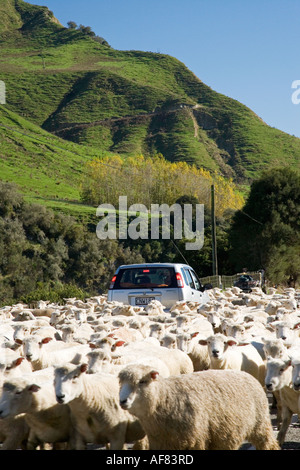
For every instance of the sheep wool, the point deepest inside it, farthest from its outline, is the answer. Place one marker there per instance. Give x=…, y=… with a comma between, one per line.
x=198, y=411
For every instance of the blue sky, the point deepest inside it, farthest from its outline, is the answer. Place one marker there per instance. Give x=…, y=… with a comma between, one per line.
x=247, y=50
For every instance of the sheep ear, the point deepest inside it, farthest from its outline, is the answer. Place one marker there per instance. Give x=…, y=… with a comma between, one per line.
x=288, y=363
x=244, y=343
x=194, y=334
x=46, y=340
x=297, y=326
x=203, y=342
x=18, y=361
x=83, y=368
x=231, y=342
x=119, y=343
x=154, y=374
x=34, y=388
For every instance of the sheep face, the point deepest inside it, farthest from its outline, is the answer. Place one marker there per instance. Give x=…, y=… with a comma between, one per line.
x=156, y=330
x=237, y=331
x=277, y=374
x=9, y=366
x=16, y=398
x=296, y=374
x=217, y=345
x=183, y=341
x=21, y=331
x=134, y=385
x=274, y=347
x=214, y=319
x=32, y=347
x=56, y=317
x=98, y=361
x=286, y=332
x=168, y=341
x=67, y=382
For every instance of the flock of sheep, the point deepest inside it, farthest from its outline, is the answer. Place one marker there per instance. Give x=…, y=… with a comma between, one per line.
x=196, y=376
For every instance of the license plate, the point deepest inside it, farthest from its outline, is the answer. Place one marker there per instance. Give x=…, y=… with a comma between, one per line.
x=143, y=300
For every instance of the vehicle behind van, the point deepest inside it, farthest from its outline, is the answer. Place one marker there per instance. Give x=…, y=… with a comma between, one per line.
x=139, y=284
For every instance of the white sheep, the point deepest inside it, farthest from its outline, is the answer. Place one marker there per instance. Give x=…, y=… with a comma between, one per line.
x=141, y=324
x=26, y=328
x=95, y=410
x=200, y=324
x=294, y=355
x=101, y=361
x=33, y=395
x=169, y=340
x=209, y=410
x=6, y=331
x=176, y=360
x=76, y=333
x=126, y=310
x=155, y=307
x=189, y=343
x=279, y=377
x=127, y=334
x=215, y=320
x=14, y=433
x=289, y=304
x=44, y=352
x=181, y=306
x=12, y=364
x=287, y=331
x=23, y=315
x=228, y=353
x=157, y=330
x=274, y=347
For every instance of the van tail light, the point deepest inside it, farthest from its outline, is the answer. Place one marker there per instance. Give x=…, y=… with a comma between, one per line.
x=112, y=282
x=179, y=280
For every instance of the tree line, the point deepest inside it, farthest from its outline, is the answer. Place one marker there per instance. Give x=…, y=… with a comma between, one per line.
x=154, y=180
x=49, y=255
x=87, y=30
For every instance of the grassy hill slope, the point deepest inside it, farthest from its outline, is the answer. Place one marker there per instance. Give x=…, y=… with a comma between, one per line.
x=48, y=170
x=129, y=102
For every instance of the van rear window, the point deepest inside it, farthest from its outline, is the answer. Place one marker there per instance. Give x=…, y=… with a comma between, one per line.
x=139, y=278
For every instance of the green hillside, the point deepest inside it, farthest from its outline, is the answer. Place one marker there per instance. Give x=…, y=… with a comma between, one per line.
x=131, y=102
x=48, y=170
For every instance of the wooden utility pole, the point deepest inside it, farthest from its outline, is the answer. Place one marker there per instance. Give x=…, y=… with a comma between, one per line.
x=213, y=233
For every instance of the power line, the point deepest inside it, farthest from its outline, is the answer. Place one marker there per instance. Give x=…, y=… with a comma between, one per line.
x=178, y=250
x=257, y=221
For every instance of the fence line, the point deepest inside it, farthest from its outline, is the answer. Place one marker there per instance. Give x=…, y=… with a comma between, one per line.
x=228, y=281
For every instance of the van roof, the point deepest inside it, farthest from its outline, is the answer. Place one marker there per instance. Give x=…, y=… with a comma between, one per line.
x=154, y=265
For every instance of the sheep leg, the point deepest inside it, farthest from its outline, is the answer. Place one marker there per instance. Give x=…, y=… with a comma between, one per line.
x=76, y=441
x=117, y=444
x=277, y=403
x=11, y=443
x=33, y=441
x=286, y=421
x=117, y=441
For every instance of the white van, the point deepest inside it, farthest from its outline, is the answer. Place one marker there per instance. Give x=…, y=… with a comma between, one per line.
x=138, y=284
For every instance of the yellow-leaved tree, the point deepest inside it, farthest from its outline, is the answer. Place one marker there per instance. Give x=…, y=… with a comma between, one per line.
x=154, y=180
